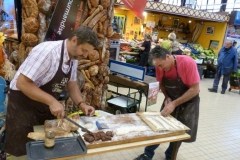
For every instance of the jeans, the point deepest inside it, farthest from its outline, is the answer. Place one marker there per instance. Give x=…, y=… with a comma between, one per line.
x=149, y=150
x=224, y=82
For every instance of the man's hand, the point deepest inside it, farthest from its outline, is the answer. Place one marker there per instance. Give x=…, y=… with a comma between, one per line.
x=57, y=109
x=88, y=110
x=168, y=109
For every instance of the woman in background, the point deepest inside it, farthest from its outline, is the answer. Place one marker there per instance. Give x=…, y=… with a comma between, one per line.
x=145, y=48
x=172, y=45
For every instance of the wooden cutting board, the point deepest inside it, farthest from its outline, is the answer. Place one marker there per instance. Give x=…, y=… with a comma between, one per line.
x=127, y=120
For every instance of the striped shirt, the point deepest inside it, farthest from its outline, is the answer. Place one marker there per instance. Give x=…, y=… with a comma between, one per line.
x=42, y=64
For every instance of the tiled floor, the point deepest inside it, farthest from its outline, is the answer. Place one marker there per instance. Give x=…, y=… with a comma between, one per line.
x=218, y=132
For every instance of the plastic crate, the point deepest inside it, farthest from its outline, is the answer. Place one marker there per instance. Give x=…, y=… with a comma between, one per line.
x=209, y=74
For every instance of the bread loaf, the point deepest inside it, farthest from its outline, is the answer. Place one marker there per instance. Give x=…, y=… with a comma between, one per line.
x=94, y=3
x=44, y=6
x=31, y=25
x=105, y=3
x=60, y=127
x=93, y=70
x=93, y=56
x=109, y=31
x=80, y=80
x=106, y=80
x=97, y=96
x=95, y=81
x=29, y=39
x=42, y=27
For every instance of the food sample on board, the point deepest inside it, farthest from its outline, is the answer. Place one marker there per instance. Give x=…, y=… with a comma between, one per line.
x=125, y=130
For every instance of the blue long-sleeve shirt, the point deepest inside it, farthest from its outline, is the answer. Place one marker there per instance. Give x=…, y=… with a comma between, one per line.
x=227, y=60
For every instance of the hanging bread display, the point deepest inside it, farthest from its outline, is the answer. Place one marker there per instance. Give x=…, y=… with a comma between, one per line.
x=96, y=71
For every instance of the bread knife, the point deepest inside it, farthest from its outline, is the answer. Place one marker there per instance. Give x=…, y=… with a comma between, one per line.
x=84, y=129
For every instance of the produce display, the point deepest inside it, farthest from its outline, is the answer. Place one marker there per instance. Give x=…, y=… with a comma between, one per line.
x=196, y=51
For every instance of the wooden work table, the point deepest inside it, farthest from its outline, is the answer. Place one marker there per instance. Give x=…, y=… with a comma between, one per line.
x=129, y=140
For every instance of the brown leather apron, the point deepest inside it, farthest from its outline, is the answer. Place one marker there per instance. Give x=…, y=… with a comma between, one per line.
x=23, y=113
x=188, y=112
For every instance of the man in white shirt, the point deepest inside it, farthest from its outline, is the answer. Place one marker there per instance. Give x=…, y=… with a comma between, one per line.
x=50, y=68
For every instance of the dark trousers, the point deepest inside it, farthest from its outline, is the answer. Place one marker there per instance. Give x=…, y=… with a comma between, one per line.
x=143, y=59
x=149, y=150
x=224, y=82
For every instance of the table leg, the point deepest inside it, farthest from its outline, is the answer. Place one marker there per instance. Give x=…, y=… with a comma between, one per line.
x=175, y=150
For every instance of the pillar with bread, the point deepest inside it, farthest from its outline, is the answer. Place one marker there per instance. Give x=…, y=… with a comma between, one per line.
x=93, y=71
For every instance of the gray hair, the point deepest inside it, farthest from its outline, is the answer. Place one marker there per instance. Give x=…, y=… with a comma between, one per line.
x=157, y=52
x=172, y=36
x=229, y=41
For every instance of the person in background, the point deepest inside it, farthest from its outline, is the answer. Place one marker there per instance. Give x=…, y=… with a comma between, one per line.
x=172, y=45
x=179, y=82
x=49, y=69
x=145, y=49
x=234, y=44
x=226, y=64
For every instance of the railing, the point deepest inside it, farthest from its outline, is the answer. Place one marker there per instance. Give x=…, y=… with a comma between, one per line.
x=205, y=5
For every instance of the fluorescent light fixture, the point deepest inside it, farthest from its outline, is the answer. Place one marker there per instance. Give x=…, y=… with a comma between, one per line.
x=144, y=14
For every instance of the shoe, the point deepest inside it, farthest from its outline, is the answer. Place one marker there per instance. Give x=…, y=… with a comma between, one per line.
x=167, y=158
x=212, y=90
x=143, y=157
x=222, y=92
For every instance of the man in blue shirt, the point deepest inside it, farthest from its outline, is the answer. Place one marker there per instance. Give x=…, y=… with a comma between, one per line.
x=226, y=64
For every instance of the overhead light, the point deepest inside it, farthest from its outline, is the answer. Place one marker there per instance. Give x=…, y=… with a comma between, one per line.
x=145, y=14
x=189, y=21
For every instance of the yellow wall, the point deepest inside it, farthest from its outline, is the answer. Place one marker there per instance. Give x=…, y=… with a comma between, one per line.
x=204, y=39
x=219, y=33
x=130, y=26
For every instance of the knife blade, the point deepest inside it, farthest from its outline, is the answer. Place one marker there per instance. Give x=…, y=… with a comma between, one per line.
x=84, y=129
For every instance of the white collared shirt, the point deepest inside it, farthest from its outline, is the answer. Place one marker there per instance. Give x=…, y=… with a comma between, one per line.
x=42, y=64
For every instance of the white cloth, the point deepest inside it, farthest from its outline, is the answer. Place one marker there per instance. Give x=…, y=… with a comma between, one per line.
x=42, y=64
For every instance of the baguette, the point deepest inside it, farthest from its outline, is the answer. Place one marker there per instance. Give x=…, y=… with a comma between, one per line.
x=88, y=64
x=83, y=61
x=87, y=74
x=87, y=80
x=89, y=4
x=95, y=28
x=103, y=18
x=100, y=27
x=85, y=23
x=99, y=35
x=91, y=11
x=97, y=18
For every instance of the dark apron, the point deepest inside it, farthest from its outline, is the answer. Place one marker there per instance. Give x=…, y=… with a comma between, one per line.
x=188, y=112
x=23, y=113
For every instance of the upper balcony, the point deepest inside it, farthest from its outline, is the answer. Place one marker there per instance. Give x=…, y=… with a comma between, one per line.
x=202, y=9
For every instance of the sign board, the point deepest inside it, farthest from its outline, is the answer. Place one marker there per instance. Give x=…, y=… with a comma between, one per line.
x=153, y=93
x=126, y=69
x=66, y=18
x=136, y=6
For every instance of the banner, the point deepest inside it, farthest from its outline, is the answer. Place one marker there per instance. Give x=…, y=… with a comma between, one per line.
x=152, y=93
x=66, y=18
x=136, y=6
